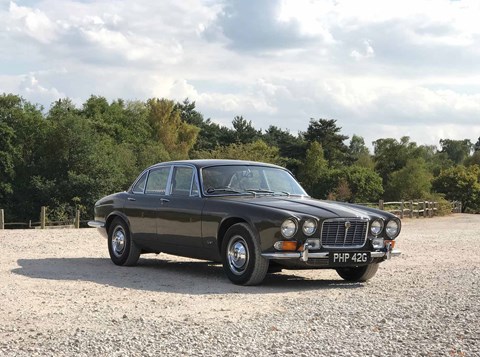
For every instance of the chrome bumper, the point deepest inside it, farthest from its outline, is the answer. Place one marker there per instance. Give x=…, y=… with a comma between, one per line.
x=305, y=254
x=100, y=227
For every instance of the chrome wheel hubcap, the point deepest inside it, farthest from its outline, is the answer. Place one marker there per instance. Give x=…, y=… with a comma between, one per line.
x=238, y=258
x=118, y=241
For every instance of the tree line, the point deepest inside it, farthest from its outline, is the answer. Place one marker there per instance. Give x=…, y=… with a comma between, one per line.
x=68, y=157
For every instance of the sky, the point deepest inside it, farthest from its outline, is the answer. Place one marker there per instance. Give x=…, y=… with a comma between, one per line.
x=380, y=68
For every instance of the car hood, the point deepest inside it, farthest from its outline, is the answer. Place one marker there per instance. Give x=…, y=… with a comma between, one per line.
x=311, y=206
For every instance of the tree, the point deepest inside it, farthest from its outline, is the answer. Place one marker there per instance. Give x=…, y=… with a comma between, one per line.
x=292, y=148
x=359, y=152
x=456, y=150
x=326, y=132
x=244, y=132
x=391, y=155
x=313, y=172
x=256, y=151
x=460, y=183
x=410, y=182
x=175, y=135
x=477, y=145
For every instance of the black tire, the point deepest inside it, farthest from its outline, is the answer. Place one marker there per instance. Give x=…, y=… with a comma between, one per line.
x=241, y=256
x=122, y=249
x=360, y=274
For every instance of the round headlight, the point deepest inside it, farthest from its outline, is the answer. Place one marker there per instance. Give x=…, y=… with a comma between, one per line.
x=392, y=229
x=288, y=228
x=376, y=227
x=309, y=227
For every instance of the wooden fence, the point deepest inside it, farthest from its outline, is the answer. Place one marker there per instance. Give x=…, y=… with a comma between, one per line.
x=412, y=208
x=43, y=223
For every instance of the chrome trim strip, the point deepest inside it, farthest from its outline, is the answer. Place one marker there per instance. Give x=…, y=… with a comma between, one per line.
x=322, y=255
x=96, y=224
x=100, y=227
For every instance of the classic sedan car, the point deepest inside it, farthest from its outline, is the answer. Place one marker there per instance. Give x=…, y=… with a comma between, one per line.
x=254, y=218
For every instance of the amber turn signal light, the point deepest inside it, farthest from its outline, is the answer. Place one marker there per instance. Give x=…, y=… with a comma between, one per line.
x=391, y=242
x=286, y=245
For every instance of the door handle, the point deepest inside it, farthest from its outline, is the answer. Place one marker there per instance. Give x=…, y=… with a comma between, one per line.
x=131, y=199
x=164, y=200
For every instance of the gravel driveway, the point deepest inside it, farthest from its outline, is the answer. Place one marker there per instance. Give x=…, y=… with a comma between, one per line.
x=61, y=295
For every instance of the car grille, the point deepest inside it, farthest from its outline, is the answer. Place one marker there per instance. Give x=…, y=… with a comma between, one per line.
x=335, y=233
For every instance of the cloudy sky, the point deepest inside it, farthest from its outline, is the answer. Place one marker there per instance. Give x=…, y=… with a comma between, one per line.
x=381, y=68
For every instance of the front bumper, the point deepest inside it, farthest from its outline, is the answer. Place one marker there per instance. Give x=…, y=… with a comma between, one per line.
x=100, y=227
x=305, y=254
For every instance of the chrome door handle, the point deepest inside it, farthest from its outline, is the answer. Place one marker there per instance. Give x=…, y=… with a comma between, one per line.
x=164, y=200
x=131, y=199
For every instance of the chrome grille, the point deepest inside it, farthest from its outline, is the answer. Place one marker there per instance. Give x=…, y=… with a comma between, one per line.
x=344, y=233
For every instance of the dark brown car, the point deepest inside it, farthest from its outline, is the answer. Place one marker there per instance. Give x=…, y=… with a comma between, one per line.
x=252, y=217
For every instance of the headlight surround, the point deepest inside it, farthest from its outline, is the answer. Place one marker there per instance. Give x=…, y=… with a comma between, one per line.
x=309, y=227
x=392, y=228
x=376, y=227
x=289, y=228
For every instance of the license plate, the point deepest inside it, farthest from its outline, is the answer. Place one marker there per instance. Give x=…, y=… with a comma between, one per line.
x=348, y=258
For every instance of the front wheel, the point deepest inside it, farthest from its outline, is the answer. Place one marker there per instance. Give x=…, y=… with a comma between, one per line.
x=242, y=260
x=122, y=249
x=359, y=274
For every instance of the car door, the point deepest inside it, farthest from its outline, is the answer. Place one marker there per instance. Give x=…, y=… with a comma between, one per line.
x=143, y=203
x=179, y=219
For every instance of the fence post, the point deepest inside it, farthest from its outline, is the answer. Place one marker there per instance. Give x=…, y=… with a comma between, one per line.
x=424, y=209
x=380, y=205
x=43, y=217
x=402, y=205
x=430, y=213
x=2, y=219
x=417, y=204
x=77, y=219
x=411, y=209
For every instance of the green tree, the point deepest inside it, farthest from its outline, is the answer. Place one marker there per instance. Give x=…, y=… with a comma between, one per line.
x=244, y=132
x=359, y=152
x=456, y=150
x=292, y=148
x=327, y=133
x=175, y=135
x=365, y=184
x=314, y=172
x=460, y=183
x=256, y=151
x=410, y=182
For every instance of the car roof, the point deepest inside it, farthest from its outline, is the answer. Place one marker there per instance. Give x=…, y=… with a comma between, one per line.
x=216, y=162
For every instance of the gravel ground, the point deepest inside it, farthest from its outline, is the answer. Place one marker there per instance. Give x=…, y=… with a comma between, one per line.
x=61, y=296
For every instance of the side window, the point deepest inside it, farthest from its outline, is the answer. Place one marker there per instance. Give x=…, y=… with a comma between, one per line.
x=157, y=181
x=140, y=185
x=182, y=181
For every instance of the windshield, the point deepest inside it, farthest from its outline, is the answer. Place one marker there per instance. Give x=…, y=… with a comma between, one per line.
x=240, y=179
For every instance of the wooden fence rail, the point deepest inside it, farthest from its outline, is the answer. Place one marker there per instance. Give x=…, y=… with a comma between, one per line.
x=413, y=208
x=43, y=223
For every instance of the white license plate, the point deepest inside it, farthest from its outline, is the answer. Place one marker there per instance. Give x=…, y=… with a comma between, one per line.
x=348, y=258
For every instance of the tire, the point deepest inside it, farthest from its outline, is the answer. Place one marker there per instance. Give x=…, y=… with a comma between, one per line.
x=359, y=274
x=241, y=257
x=121, y=248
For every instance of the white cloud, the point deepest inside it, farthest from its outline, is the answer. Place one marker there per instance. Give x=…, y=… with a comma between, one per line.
x=381, y=68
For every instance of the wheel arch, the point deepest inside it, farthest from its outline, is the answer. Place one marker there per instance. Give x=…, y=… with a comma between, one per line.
x=114, y=215
x=224, y=226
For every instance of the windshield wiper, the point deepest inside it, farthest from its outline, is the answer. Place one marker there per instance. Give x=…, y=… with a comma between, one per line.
x=228, y=190
x=274, y=193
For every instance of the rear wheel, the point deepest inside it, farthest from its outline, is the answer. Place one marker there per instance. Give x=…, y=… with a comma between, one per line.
x=362, y=273
x=242, y=260
x=122, y=249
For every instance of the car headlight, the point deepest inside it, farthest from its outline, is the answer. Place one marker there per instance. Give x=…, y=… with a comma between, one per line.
x=392, y=229
x=288, y=228
x=376, y=227
x=309, y=227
